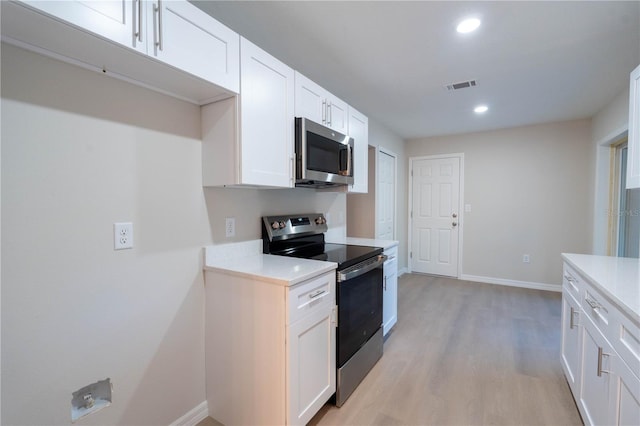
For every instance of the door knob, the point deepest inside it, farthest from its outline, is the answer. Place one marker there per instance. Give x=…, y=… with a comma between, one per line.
x=455, y=223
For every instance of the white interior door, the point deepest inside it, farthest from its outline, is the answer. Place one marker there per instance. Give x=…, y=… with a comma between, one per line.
x=386, y=196
x=435, y=211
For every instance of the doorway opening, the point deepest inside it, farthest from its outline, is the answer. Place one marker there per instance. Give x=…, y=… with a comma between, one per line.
x=624, y=209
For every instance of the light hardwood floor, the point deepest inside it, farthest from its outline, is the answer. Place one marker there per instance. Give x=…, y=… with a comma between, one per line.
x=464, y=353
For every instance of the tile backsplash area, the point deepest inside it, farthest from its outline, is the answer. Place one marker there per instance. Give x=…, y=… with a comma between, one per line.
x=248, y=205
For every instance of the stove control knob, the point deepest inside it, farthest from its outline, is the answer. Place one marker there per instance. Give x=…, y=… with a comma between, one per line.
x=282, y=225
x=275, y=225
x=320, y=221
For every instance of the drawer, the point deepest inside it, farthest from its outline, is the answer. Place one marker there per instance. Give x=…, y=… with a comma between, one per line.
x=626, y=341
x=309, y=296
x=571, y=281
x=601, y=312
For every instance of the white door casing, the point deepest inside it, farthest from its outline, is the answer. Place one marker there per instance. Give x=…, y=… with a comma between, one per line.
x=386, y=195
x=435, y=215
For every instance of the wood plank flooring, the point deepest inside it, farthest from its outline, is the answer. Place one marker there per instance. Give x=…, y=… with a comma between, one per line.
x=464, y=353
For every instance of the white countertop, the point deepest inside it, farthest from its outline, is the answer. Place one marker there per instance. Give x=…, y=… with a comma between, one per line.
x=246, y=259
x=385, y=244
x=618, y=278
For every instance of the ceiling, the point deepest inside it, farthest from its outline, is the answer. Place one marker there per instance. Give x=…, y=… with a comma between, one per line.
x=534, y=62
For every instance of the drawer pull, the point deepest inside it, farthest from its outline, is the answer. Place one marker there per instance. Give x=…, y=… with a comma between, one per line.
x=593, y=303
x=572, y=316
x=569, y=278
x=600, y=355
x=317, y=294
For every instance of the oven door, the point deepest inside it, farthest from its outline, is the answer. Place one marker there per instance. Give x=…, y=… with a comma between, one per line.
x=359, y=299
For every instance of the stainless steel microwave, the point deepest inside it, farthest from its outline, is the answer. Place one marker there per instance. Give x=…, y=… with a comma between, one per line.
x=324, y=157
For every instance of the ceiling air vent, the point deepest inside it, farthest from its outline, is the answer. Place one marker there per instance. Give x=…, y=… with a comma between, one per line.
x=462, y=85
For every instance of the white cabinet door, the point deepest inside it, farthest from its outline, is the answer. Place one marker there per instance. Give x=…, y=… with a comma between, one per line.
x=359, y=131
x=390, y=292
x=570, y=350
x=184, y=36
x=117, y=20
x=633, y=159
x=626, y=394
x=337, y=115
x=312, y=365
x=312, y=101
x=266, y=117
x=595, y=381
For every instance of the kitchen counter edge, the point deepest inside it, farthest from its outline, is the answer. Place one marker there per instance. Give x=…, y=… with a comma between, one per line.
x=617, y=278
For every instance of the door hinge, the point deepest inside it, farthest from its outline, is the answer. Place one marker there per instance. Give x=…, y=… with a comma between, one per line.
x=410, y=255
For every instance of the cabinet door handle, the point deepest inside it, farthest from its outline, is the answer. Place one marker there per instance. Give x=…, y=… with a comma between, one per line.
x=385, y=283
x=317, y=294
x=291, y=169
x=571, y=323
x=569, y=278
x=324, y=111
x=157, y=8
x=137, y=10
x=600, y=355
x=593, y=303
x=329, y=114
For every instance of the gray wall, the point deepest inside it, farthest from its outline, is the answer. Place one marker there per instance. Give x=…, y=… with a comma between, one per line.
x=530, y=192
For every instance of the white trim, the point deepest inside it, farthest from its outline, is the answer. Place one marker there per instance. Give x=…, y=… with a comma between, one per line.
x=194, y=416
x=460, y=156
x=512, y=283
x=402, y=271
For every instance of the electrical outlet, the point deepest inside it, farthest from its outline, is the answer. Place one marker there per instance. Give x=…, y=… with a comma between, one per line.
x=525, y=258
x=122, y=235
x=230, y=227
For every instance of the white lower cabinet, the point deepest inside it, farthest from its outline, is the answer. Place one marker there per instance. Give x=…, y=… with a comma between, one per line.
x=570, y=345
x=270, y=349
x=390, y=290
x=604, y=381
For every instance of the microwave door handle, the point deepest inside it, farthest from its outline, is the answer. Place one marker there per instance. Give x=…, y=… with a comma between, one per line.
x=349, y=149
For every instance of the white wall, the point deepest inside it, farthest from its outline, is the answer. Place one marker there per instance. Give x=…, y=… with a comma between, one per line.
x=80, y=152
x=608, y=126
x=529, y=190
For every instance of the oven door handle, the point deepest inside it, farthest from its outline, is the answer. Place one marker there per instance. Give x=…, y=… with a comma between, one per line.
x=361, y=268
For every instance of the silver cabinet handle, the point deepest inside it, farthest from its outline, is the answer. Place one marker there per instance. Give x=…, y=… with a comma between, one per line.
x=385, y=283
x=317, y=293
x=324, y=111
x=329, y=114
x=593, y=303
x=138, y=20
x=157, y=8
x=600, y=355
x=291, y=170
x=571, y=322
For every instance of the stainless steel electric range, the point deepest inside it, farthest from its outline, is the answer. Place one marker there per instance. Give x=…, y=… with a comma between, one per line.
x=359, y=280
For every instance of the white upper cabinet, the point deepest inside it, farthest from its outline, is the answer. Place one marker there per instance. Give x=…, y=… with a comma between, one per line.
x=184, y=36
x=121, y=21
x=266, y=118
x=133, y=40
x=248, y=140
x=633, y=159
x=359, y=131
x=317, y=104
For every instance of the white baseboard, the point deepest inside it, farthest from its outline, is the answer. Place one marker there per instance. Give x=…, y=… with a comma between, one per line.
x=512, y=283
x=194, y=416
x=403, y=271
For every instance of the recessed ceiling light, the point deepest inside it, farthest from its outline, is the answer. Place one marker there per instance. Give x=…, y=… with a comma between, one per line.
x=481, y=109
x=468, y=25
